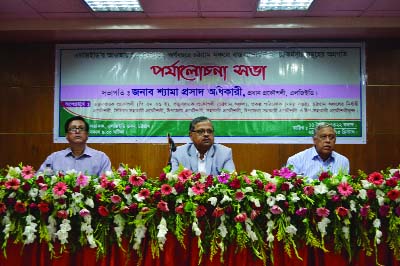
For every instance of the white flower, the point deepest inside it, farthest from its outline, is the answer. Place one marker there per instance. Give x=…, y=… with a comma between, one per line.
x=195, y=228
x=222, y=228
x=271, y=201
x=30, y=230
x=270, y=238
x=294, y=196
x=172, y=177
x=120, y=222
x=322, y=225
x=362, y=194
x=253, y=173
x=213, y=201
x=377, y=223
x=190, y=192
x=353, y=206
x=162, y=233
x=109, y=173
x=140, y=232
x=138, y=197
x=255, y=201
x=225, y=199
x=366, y=184
x=77, y=197
x=346, y=232
x=378, y=235
x=331, y=193
x=62, y=233
x=51, y=227
x=320, y=189
x=248, y=190
x=33, y=193
x=291, y=230
x=249, y=231
x=280, y=197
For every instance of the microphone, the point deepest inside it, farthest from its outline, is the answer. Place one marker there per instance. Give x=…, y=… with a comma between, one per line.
x=171, y=143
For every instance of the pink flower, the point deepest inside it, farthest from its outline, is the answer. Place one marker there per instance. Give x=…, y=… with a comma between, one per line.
x=239, y=195
x=27, y=172
x=276, y=209
x=12, y=183
x=84, y=212
x=241, y=217
x=254, y=214
x=198, y=188
x=144, y=193
x=286, y=173
x=184, y=175
x=82, y=180
x=247, y=180
x=322, y=212
x=376, y=178
x=60, y=188
x=301, y=212
x=163, y=206
x=62, y=214
x=179, y=209
x=223, y=178
x=308, y=190
x=364, y=210
x=166, y=189
x=136, y=180
x=270, y=187
x=345, y=189
x=115, y=199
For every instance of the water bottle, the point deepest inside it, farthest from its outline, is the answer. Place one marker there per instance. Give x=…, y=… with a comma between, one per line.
x=48, y=171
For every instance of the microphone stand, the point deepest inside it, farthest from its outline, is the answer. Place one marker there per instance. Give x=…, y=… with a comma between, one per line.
x=172, y=148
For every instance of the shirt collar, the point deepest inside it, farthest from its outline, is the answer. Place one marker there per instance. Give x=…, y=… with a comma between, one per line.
x=88, y=152
x=315, y=154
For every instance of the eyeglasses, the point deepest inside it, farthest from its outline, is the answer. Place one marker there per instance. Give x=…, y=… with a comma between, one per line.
x=201, y=132
x=330, y=137
x=76, y=129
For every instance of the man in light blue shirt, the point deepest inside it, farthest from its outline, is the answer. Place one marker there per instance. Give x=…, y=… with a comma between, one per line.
x=78, y=156
x=202, y=155
x=321, y=157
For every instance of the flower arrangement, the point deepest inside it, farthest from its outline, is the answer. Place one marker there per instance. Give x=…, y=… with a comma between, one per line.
x=245, y=210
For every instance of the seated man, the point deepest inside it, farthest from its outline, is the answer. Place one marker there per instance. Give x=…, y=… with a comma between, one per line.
x=321, y=157
x=78, y=156
x=202, y=155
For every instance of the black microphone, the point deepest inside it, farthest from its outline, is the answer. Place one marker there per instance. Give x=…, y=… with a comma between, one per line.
x=171, y=143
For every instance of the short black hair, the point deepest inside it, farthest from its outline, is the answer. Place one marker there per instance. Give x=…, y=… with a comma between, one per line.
x=69, y=120
x=198, y=120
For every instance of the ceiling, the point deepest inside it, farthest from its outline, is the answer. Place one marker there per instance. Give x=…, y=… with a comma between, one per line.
x=199, y=20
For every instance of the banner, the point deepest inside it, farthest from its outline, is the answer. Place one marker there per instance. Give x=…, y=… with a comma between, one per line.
x=253, y=93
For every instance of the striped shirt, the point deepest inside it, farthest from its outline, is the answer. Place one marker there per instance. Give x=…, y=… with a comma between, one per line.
x=308, y=163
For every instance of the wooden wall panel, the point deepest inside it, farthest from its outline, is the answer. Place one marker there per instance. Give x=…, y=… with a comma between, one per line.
x=26, y=113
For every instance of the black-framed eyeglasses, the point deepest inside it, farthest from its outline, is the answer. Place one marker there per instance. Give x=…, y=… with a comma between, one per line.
x=76, y=129
x=201, y=132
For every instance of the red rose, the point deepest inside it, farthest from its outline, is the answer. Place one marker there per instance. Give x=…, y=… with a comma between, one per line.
x=393, y=194
x=342, y=211
x=3, y=208
x=200, y=211
x=103, y=211
x=62, y=214
x=20, y=207
x=43, y=207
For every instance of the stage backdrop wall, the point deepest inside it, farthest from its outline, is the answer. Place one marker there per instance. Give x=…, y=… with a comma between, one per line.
x=26, y=110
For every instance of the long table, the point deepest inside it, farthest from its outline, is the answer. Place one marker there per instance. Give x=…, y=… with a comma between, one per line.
x=176, y=255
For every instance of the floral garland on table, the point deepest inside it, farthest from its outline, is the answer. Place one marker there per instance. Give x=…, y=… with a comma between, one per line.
x=248, y=210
